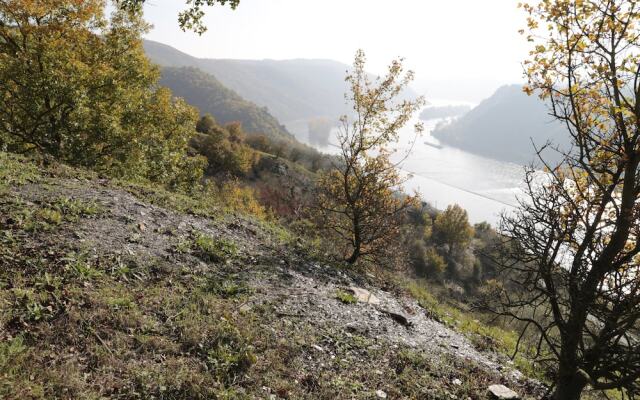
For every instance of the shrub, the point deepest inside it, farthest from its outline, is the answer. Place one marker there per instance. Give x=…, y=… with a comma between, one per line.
x=242, y=199
x=427, y=261
x=346, y=297
x=224, y=148
x=215, y=250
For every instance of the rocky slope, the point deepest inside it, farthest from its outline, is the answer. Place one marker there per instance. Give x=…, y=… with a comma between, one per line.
x=112, y=290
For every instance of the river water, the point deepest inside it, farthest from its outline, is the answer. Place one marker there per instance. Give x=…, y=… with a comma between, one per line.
x=446, y=175
x=483, y=186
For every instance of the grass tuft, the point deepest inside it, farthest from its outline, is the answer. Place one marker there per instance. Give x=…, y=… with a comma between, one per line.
x=212, y=249
x=346, y=297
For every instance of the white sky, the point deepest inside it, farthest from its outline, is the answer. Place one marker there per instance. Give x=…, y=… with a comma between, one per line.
x=471, y=42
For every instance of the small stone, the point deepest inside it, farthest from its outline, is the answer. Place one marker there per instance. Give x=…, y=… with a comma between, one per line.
x=364, y=295
x=245, y=308
x=357, y=328
x=381, y=394
x=315, y=346
x=399, y=318
x=502, y=392
x=457, y=382
x=142, y=227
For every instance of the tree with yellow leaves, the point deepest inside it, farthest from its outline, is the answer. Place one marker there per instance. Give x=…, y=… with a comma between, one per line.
x=78, y=86
x=360, y=199
x=574, y=241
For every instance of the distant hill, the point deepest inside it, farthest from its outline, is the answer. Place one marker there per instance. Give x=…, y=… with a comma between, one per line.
x=292, y=90
x=434, y=112
x=210, y=96
x=503, y=127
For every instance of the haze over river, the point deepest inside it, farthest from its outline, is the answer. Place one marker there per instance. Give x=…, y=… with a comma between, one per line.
x=446, y=175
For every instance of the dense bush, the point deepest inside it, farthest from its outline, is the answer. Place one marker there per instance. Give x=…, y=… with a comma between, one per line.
x=223, y=147
x=451, y=228
x=78, y=86
x=306, y=156
x=442, y=245
x=426, y=260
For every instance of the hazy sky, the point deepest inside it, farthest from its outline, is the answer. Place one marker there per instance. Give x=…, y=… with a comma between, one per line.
x=460, y=42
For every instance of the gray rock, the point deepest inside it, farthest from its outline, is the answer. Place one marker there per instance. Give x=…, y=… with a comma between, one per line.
x=502, y=392
x=357, y=328
x=381, y=394
x=364, y=295
x=399, y=318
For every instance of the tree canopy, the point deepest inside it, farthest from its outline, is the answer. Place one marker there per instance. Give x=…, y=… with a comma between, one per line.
x=79, y=87
x=574, y=248
x=452, y=227
x=188, y=19
x=358, y=199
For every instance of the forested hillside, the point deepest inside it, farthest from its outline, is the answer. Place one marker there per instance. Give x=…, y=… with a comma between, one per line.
x=210, y=96
x=290, y=89
x=505, y=126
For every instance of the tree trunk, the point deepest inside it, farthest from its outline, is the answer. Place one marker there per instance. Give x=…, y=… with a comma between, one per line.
x=354, y=255
x=357, y=242
x=569, y=387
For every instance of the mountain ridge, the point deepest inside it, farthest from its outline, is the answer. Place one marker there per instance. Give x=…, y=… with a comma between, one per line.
x=292, y=90
x=283, y=86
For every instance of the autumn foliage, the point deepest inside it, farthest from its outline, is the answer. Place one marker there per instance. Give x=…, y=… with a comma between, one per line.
x=78, y=86
x=574, y=249
x=360, y=199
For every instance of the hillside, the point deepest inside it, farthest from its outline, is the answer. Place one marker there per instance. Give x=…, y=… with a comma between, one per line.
x=434, y=112
x=210, y=96
x=115, y=290
x=504, y=126
x=291, y=89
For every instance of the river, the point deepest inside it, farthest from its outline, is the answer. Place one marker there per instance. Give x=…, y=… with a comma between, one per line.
x=446, y=175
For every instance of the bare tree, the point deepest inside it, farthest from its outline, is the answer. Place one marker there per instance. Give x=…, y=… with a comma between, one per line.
x=574, y=250
x=359, y=198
